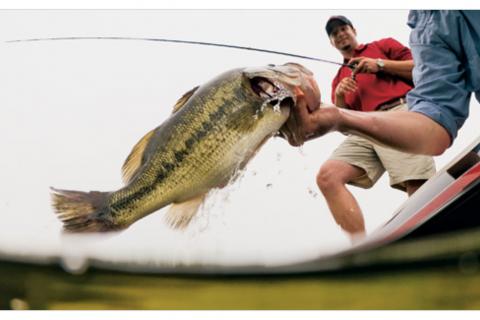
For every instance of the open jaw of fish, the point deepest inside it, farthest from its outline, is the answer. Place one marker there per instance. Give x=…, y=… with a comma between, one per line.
x=296, y=82
x=214, y=130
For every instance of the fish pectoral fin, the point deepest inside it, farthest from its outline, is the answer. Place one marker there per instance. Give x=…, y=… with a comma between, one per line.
x=180, y=214
x=181, y=102
x=136, y=158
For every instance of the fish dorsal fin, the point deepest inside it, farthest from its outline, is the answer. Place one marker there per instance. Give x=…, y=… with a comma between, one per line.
x=181, y=102
x=135, y=159
x=180, y=214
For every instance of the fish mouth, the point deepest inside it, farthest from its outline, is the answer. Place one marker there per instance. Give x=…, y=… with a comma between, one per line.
x=263, y=87
x=272, y=93
x=292, y=80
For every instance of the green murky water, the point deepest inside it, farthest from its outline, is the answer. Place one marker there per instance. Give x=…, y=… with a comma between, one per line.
x=434, y=287
x=439, y=272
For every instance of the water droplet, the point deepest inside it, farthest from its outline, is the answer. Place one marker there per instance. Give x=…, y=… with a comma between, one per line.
x=276, y=107
x=301, y=151
x=75, y=264
x=19, y=304
x=312, y=193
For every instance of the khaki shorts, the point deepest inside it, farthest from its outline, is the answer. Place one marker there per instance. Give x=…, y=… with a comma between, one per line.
x=376, y=159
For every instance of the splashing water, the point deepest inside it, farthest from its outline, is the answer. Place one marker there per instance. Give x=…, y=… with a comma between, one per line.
x=216, y=201
x=311, y=192
x=274, y=101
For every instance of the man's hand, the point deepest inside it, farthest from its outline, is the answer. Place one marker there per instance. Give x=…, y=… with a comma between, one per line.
x=306, y=125
x=364, y=65
x=346, y=85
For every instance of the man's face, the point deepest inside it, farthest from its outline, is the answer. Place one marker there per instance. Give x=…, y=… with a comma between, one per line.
x=343, y=37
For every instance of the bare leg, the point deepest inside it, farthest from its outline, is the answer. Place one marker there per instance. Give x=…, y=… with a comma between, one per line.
x=331, y=180
x=413, y=185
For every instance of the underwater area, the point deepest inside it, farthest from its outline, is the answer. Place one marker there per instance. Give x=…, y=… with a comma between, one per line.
x=50, y=288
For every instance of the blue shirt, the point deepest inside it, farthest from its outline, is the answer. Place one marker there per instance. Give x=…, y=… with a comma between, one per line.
x=446, y=50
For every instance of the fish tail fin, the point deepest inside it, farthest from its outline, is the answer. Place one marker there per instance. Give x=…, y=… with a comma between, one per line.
x=82, y=211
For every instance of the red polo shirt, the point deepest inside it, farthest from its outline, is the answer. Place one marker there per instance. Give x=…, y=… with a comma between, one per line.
x=379, y=88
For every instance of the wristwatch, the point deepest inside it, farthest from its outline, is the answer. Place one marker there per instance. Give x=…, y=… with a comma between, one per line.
x=380, y=64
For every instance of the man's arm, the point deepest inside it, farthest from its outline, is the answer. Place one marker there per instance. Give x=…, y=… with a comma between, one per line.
x=403, y=130
x=401, y=68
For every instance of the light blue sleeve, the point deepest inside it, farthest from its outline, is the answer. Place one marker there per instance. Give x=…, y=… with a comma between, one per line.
x=441, y=91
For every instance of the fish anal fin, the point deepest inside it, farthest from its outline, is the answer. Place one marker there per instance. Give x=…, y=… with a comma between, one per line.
x=180, y=214
x=135, y=159
x=181, y=102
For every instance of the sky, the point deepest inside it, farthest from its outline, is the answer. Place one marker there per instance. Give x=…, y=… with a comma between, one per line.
x=72, y=110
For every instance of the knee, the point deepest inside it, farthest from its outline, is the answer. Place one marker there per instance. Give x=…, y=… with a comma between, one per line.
x=328, y=178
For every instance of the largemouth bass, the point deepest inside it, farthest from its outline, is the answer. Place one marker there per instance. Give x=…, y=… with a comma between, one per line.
x=214, y=130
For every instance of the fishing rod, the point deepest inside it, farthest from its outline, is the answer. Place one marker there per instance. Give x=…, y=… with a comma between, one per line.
x=188, y=42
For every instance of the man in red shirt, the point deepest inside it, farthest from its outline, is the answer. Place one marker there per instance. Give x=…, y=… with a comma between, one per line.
x=381, y=79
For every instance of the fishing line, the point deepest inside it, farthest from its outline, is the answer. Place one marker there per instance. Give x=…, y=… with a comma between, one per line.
x=187, y=42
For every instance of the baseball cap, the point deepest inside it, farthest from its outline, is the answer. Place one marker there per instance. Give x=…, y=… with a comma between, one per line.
x=335, y=21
